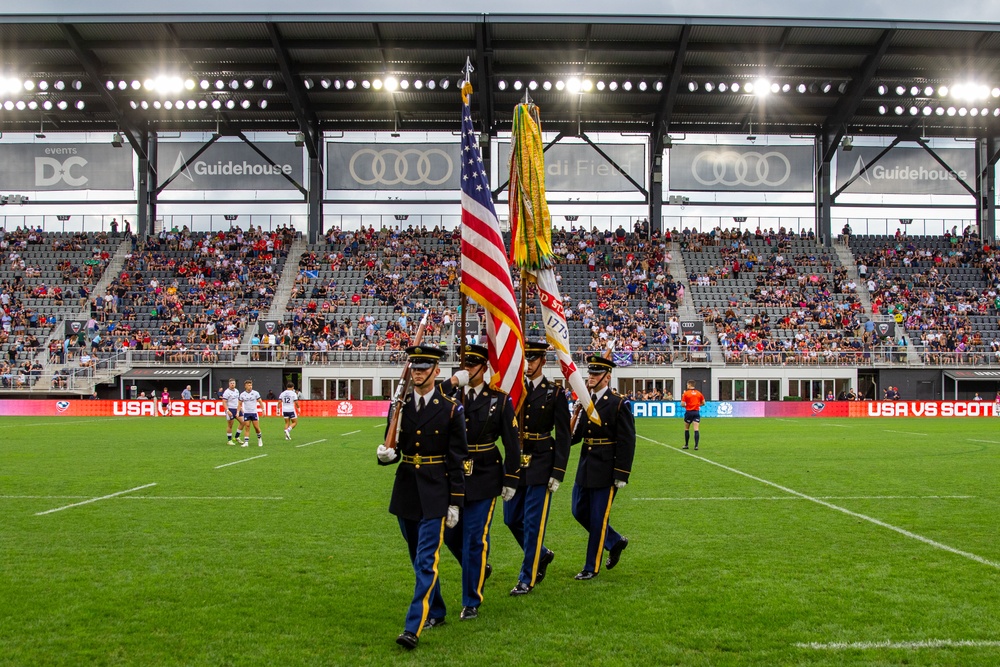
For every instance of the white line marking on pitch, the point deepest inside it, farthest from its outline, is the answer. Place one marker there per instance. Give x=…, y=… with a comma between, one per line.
x=783, y=420
x=994, y=442
x=352, y=432
x=926, y=643
x=840, y=425
x=820, y=497
x=312, y=443
x=903, y=432
x=94, y=500
x=844, y=510
x=240, y=461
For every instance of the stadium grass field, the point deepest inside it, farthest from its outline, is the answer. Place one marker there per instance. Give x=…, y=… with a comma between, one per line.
x=760, y=549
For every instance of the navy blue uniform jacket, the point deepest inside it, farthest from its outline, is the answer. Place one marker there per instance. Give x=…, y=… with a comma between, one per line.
x=438, y=430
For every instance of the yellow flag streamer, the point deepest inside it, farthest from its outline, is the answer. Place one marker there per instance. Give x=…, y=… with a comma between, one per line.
x=531, y=225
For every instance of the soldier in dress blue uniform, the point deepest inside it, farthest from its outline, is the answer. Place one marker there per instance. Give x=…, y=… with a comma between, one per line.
x=605, y=465
x=489, y=416
x=543, y=466
x=430, y=483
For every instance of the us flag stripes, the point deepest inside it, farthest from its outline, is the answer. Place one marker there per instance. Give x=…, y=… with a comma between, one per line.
x=485, y=271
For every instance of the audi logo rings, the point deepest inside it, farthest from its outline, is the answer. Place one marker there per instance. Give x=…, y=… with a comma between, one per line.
x=401, y=161
x=750, y=169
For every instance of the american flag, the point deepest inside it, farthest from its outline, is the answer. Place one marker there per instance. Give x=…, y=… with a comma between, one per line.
x=485, y=271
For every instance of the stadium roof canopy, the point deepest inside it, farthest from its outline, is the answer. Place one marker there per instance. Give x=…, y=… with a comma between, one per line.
x=648, y=74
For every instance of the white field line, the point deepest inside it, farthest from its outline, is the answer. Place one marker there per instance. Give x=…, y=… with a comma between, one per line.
x=903, y=432
x=310, y=443
x=844, y=510
x=232, y=463
x=840, y=425
x=352, y=432
x=818, y=497
x=993, y=442
x=784, y=420
x=926, y=643
x=94, y=500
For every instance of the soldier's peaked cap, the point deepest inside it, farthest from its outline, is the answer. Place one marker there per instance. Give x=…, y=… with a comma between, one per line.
x=535, y=349
x=424, y=356
x=598, y=364
x=476, y=354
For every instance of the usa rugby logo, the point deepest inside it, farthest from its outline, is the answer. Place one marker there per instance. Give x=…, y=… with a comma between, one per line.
x=62, y=406
x=817, y=408
x=345, y=409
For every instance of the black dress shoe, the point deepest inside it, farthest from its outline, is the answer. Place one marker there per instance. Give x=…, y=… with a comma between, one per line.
x=468, y=613
x=521, y=589
x=433, y=623
x=407, y=640
x=489, y=572
x=616, y=553
x=584, y=576
x=543, y=564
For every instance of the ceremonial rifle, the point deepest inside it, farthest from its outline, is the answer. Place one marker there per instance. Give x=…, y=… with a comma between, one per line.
x=396, y=408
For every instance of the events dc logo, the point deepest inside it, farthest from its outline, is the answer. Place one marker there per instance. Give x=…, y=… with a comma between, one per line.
x=725, y=410
x=345, y=409
x=49, y=171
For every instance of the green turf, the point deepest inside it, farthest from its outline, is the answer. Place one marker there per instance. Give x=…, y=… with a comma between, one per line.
x=721, y=569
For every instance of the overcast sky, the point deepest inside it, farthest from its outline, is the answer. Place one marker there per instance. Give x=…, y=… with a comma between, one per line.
x=935, y=10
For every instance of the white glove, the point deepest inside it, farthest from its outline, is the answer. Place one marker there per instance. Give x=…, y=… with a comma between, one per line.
x=620, y=483
x=507, y=493
x=452, y=519
x=462, y=377
x=385, y=455
x=553, y=484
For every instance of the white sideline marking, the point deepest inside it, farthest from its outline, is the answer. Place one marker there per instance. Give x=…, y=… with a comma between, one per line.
x=820, y=497
x=844, y=510
x=313, y=442
x=240, y=461
x=994, y=442
x=926, y=643
x=202, y=498
x=840, y=425
x=94, y=500
x=352, y=432
x=903, y=432
x=783, y=420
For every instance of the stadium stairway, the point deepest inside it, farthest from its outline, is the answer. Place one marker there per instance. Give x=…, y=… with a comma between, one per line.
x=687, y=311
x=283, y=292
x=44, y=384
x=848, y=261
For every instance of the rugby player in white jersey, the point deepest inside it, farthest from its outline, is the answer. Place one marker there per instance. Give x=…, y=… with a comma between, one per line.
x=252, y=406
x=289, y=408
x=233, y=411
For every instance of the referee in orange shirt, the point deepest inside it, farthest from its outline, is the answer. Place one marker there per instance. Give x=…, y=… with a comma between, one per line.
x=692, y=400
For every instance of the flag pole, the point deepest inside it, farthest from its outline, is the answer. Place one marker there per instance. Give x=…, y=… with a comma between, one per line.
x=463, y=300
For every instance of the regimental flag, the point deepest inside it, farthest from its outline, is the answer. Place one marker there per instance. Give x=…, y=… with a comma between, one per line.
x=485, y=271
x=531, y=241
